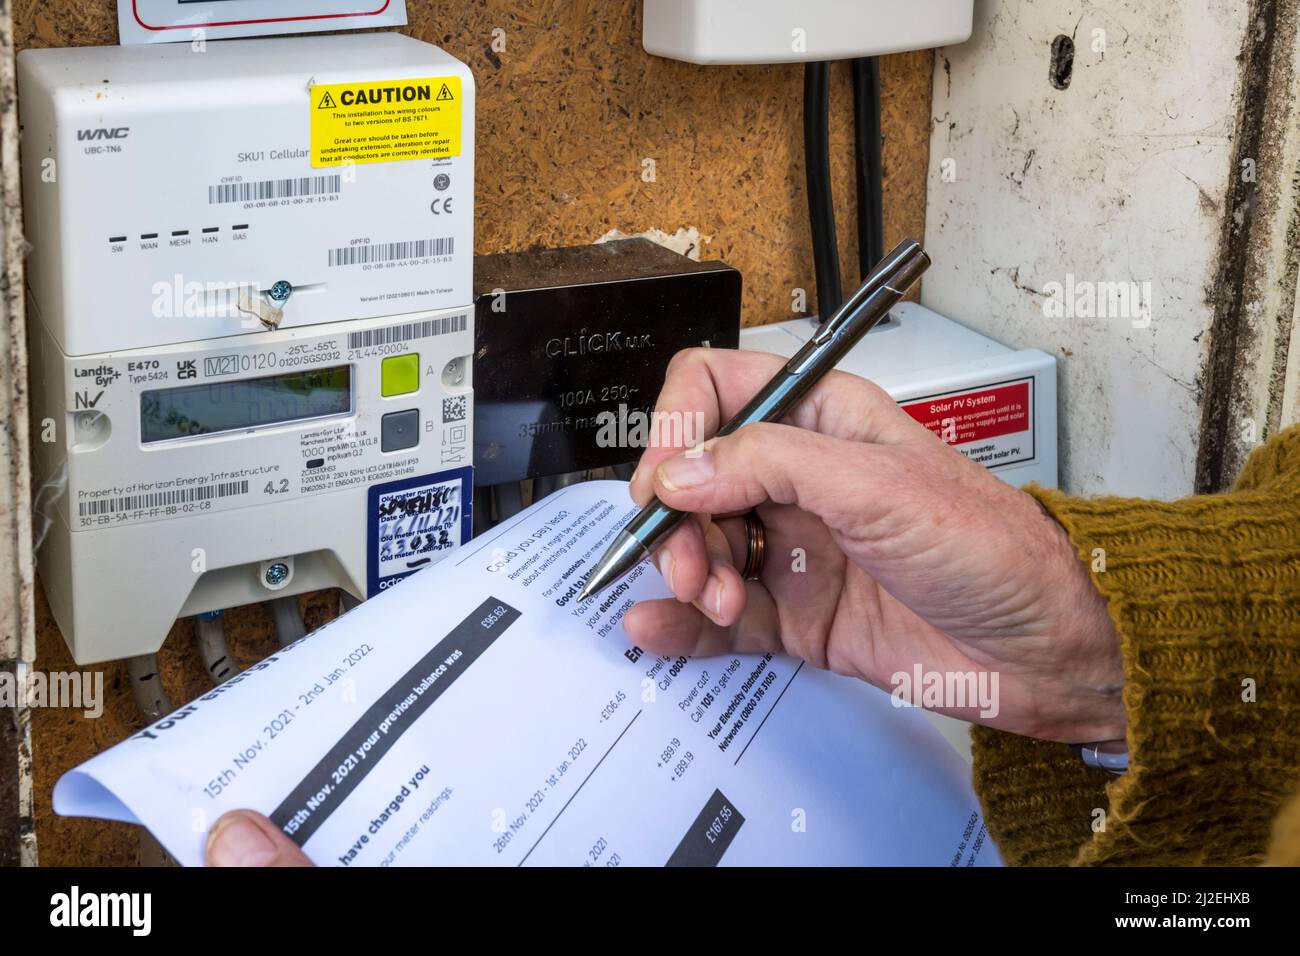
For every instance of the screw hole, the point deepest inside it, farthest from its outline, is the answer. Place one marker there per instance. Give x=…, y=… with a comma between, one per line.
x=1062, y=70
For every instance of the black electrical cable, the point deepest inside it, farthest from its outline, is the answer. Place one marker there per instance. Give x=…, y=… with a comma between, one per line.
x=821, y=207
x=870, y=172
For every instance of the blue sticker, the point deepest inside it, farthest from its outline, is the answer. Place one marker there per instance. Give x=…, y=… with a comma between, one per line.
x=415, y=522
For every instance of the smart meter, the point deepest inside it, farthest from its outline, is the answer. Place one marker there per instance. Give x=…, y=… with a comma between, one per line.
x=251, y=321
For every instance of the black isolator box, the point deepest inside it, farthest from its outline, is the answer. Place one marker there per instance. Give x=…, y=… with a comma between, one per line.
x=564, y=335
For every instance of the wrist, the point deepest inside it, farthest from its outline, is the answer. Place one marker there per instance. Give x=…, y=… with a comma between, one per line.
x=1091, y=643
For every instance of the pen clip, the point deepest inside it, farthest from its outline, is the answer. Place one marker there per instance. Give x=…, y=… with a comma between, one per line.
x=804, y=357
x=812, y=350
x=887, y=272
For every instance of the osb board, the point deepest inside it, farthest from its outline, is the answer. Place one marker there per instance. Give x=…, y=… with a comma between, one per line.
x=567, y=113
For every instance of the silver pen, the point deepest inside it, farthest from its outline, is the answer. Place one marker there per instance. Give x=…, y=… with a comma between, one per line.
x=882, y=290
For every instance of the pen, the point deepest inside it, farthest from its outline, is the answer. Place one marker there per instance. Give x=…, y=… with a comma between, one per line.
x=881, y=291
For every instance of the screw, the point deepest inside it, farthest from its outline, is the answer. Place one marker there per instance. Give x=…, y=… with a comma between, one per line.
x=277, y=573
x=280, y=292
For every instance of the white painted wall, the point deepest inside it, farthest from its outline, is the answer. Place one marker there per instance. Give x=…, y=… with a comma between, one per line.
x=1291, y=381
x=17, y=573
x=1121, y=177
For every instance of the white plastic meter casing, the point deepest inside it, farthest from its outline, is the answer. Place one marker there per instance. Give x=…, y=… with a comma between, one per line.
x=193, y=453
x=159, y=182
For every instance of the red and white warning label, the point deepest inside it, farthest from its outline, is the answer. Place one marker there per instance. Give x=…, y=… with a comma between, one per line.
x=992, y=424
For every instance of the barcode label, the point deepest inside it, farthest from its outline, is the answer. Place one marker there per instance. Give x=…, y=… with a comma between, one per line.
x=162, y=499
x=405, y=333
x=275, y=189
x=390, y=251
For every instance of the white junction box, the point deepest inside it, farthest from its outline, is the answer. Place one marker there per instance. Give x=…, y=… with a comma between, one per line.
x=994, y=404
x=778, y=31
x=251, y=323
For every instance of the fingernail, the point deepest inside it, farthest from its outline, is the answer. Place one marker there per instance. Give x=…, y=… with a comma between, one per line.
x=667, y=566
x=710, y=600
x=682, y=471
x=238, y=841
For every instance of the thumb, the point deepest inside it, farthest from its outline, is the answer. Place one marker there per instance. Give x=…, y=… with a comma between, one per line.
x=245, y=838
x=829, y=477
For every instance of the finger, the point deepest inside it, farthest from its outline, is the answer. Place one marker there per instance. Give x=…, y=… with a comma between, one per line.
x=705, y=388
x=723, y=596
x=733, y=530
x=672, y=629
x=246, y=838
x=683, y=560
x=720, y=382
x=692, y=399
x=843, y=483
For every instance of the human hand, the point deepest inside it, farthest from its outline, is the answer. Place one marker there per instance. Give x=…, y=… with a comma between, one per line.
x=913, y=554
x=246, y=838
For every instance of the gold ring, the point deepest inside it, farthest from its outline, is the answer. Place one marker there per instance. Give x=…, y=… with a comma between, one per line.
x=755, y=547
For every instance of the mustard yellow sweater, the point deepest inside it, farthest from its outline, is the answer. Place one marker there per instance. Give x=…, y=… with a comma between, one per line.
x=1205, y=594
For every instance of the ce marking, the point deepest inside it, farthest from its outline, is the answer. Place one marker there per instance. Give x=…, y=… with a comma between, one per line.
x=439, y=206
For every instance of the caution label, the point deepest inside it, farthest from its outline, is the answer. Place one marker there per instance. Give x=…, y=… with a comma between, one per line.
x=385, y=121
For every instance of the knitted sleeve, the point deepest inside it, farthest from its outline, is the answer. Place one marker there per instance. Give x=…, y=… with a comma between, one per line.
x=1205, y=595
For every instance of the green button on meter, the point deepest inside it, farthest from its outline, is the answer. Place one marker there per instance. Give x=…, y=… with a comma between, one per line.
x=399, y=374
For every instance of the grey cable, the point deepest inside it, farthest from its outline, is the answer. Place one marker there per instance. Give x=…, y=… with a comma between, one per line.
x=210, y=635
x=146, y=686
x=289, y=626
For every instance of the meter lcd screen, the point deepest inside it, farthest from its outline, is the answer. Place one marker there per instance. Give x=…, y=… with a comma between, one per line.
x=169, y=413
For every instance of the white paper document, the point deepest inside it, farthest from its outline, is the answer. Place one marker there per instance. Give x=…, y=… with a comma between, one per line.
x=476, y=713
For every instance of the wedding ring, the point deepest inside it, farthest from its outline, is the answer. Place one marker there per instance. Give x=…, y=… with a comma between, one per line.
x=755, y=547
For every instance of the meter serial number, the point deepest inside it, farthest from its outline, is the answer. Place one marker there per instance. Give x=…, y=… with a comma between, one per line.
x=391, y=348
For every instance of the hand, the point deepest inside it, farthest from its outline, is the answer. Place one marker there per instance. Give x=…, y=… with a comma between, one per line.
x=246, y=838
x=913, y=554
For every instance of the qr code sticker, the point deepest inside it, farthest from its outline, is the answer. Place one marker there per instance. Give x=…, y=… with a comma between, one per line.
x=455, y=408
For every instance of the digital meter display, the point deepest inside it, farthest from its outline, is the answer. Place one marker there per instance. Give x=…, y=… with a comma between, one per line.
x=214, y=407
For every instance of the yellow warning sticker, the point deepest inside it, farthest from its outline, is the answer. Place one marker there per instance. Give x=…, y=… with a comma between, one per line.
x=385, y=121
